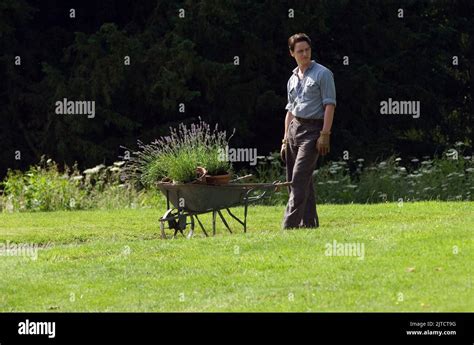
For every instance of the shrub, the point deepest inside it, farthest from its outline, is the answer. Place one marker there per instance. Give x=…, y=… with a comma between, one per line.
x=44, y=187
x=392, y=179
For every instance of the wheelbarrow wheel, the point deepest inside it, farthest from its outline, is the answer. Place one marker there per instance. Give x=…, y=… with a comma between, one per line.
x=176, y=221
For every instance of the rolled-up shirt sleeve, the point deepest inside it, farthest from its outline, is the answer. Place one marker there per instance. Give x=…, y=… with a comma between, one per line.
x=291, y=100
x=328, y=89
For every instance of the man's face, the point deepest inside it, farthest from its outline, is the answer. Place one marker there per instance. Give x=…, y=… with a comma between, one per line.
x=302, y=53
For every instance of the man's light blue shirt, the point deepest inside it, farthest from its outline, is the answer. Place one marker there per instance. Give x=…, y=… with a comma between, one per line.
x=307, y=97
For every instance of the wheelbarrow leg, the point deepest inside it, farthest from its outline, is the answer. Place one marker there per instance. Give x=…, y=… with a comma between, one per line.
x=191, y=231
x=213, y=223
x=202, y=227
x=162, y=227
x=233, y=216
x=245, y=216
x=224, y=221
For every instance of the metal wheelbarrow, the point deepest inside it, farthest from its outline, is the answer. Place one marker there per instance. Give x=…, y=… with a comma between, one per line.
x=184, y=202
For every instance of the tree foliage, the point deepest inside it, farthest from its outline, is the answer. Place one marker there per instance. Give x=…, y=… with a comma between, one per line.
x=176, y=61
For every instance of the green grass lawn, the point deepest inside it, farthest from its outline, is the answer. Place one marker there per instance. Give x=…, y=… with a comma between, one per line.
x=417, y=257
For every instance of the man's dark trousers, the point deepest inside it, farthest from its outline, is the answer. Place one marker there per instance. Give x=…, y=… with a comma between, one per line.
x=301, y=158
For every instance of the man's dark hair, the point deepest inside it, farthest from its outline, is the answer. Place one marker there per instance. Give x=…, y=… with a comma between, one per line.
x=301, y=37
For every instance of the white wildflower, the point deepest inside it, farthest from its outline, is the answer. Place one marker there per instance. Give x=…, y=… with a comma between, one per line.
x=94, y=170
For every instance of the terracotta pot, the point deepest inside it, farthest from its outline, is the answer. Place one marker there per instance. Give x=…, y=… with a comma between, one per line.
x=218, y=179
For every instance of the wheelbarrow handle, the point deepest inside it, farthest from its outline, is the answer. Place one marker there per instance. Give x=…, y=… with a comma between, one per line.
x=279, y=184
x=241, y=178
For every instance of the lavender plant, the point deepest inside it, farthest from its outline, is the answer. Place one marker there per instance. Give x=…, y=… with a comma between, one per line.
x=177, y=156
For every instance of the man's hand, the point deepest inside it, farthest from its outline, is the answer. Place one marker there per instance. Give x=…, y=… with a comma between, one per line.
x=323, y=143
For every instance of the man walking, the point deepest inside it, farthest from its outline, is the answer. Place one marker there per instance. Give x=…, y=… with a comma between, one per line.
x=309, y=117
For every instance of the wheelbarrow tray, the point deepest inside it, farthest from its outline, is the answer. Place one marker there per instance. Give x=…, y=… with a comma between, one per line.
x=201, y=198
